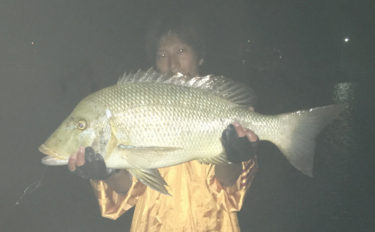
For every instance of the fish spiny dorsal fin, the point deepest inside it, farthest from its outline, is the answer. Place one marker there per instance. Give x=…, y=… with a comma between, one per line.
x=219, y=85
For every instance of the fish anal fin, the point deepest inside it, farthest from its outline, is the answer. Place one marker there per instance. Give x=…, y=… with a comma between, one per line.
x=151, y=178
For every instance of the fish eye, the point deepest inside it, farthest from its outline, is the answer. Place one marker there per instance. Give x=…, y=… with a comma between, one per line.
x=81, y=124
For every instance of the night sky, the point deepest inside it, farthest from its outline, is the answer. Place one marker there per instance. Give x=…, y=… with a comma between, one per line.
x=295, y=54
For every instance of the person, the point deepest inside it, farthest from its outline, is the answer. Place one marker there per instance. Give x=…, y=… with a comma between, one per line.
x=204, y=197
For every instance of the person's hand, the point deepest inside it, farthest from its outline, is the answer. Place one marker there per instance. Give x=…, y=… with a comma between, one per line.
x=240, y=144
x=89, y=165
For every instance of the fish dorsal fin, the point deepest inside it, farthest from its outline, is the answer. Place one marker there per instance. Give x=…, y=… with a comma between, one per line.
x=219, y=85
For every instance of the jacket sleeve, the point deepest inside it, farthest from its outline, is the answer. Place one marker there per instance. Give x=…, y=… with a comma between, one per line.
x=112, y=204
x=231, y=197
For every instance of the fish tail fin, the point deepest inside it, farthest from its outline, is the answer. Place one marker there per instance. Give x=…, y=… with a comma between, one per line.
x=296, y=139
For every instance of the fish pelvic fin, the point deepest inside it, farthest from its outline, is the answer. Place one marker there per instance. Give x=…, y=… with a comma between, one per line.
x=151, y=178
x=296, y=139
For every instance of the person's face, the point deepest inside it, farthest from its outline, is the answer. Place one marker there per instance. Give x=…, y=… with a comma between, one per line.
x=174, y=55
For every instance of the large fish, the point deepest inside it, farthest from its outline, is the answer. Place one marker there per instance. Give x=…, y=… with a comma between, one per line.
x=148, y=121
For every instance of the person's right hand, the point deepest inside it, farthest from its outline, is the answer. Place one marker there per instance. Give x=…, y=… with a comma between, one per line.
x=76, y=159
x=89, y=165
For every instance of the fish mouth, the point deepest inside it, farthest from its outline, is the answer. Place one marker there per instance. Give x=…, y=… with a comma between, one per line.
x=47, y=151
x=52, y=158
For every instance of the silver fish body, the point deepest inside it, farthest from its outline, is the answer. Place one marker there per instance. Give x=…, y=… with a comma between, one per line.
x=156, y=121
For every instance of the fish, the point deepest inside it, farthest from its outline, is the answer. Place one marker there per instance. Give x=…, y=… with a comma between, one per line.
x=149, y=120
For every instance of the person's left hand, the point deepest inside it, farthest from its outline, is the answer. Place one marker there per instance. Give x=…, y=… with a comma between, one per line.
x=240, y=144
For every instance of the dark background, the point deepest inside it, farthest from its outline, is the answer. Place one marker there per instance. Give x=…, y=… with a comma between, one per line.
x=292, y=52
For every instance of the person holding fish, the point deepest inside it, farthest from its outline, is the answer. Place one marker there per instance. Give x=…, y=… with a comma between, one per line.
x=200, y=197
x=185, y=161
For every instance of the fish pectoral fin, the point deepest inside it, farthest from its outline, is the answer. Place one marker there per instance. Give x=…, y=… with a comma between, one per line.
x=52, y=161
x=151, y=178
x=218, y=159
x=145, y=152
x=147, y=149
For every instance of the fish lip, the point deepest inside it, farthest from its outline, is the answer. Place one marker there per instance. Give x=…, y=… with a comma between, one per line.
x=45, y=150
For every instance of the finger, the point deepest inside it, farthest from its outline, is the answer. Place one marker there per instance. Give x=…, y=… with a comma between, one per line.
x=239, y=129
x=72, y=162
x=80, y=157
x=251, y=136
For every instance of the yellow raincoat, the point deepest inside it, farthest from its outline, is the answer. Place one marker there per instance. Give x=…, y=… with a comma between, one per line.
x=198, y=202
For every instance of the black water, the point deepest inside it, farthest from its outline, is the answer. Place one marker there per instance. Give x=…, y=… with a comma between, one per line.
x=293, y=53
